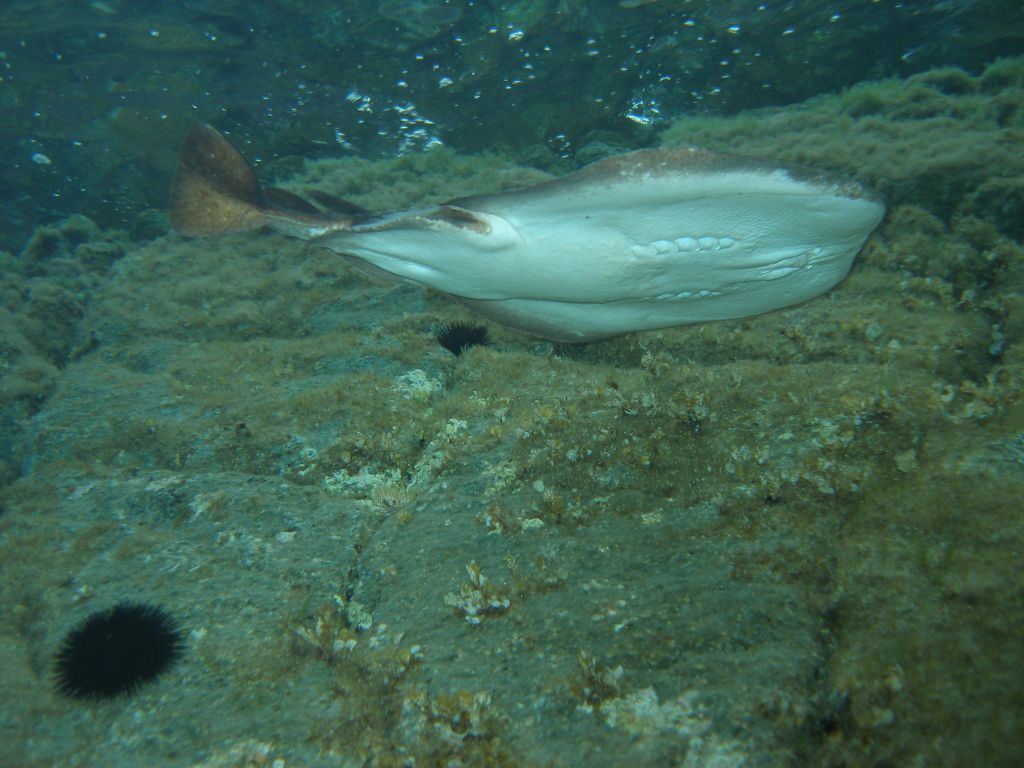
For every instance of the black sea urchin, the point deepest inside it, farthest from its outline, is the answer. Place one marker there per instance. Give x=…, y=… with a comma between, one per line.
x=456, y=337
x=116, y=650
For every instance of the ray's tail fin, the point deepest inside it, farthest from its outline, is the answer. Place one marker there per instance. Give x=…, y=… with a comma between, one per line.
x=214, y=190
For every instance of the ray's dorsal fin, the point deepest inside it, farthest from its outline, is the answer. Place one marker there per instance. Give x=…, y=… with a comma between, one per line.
x=214, y=190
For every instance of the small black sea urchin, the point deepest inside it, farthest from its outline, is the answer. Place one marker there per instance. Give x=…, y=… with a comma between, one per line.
x=116, y=650
x=456, y=337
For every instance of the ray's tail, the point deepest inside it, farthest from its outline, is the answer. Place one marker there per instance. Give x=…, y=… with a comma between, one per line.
x=215, y=192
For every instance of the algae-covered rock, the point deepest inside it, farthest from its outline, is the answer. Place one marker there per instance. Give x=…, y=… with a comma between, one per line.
x=784, y=539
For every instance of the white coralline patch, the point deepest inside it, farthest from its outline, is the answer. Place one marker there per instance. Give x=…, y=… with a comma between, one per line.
x=363, y=484
x=640, y=712
x=478, y=597
x=416, y=385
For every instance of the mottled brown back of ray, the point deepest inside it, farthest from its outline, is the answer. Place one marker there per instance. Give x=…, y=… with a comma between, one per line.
x=214, y=189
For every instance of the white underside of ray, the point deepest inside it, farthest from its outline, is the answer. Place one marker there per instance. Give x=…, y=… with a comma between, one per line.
x=629, y=252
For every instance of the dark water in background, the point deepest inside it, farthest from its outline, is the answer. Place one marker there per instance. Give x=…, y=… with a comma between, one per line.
x=95, y=96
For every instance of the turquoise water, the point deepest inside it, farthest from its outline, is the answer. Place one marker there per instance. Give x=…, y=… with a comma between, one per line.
x=789, y=539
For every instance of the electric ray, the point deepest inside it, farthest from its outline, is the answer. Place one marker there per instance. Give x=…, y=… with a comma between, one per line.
x=648, y=239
